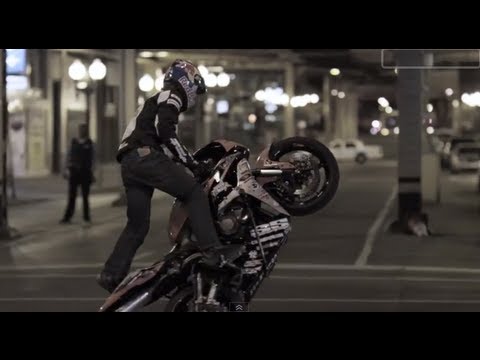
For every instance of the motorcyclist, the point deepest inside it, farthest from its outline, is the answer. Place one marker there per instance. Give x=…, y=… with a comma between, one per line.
x=152, y=157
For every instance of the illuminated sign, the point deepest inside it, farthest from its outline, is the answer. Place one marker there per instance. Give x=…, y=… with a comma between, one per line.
x=17, y=83
x=16, y=61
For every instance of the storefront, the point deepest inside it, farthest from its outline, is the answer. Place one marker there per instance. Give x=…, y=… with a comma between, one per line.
x=47, y=104
x=28, y=118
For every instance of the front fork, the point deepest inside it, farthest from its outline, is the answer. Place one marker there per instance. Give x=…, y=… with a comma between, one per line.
x=207, y=292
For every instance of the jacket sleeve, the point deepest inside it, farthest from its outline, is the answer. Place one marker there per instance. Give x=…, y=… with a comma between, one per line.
x=166, y=125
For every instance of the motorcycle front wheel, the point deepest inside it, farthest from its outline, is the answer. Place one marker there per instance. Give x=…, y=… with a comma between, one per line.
x=317, y=175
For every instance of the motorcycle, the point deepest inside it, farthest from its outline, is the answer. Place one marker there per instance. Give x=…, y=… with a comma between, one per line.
x=252, y=210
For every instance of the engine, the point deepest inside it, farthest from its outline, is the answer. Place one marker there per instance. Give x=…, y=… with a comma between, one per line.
x=233, y=222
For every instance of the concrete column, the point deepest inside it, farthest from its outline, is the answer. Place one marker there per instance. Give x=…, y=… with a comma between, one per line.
x=457, y=118
x=289, y=128
x=326, y=113
x=351, y=125
x=6, y=233
x=64, y=100
x=340, y=115
x=410, y=96
x=343, y=110
x=3, y=147
x=128, y=100
x=128, y=84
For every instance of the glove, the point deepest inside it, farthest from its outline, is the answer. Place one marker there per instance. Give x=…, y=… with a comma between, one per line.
x=203, y=169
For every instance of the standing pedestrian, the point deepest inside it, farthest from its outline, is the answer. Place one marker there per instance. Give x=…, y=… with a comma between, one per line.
x=79, y=172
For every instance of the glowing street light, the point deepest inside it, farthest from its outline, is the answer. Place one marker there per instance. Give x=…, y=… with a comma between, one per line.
x=85, y=80
x=146, y=83
x=77, y=70
x=97, y=70
x=334, y=72
x=383, y=102
x=376, y=124
x=223, y=79
x=211, y=80
x=203, y=70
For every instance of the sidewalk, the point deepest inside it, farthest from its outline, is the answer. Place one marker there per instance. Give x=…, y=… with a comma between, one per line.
x=41, y=202
x=32, y=190
x=455, y=224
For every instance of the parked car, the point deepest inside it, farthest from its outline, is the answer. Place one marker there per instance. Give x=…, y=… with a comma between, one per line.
x=355, y=150
x=465, y=157
x=450, y=145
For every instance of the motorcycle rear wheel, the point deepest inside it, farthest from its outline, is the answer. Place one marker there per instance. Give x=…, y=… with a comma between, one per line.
x=181, y=301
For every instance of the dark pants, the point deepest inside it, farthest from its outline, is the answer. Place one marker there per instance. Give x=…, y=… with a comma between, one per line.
x=82, y=178
x=141, y=175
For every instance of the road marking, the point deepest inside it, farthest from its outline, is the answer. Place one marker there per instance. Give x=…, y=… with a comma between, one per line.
x=432, y=269
x=266, y=300
x=395, y=301
x=374, y=229
x=47, y=276
x=51, y=267
x=53, y=299
x=281, y=266
x=274, y=277
x=373, y=278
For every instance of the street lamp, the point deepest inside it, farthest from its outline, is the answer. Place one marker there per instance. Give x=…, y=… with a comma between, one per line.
x=211, y=80
x=86, y=81
x=146, y=83
x=223, y=80
x=97, y=70
x=77, y=71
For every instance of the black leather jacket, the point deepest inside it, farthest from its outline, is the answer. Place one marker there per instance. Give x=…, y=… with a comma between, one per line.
x=155, y=125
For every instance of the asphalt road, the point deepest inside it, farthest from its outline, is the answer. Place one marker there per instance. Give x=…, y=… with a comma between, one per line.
x=320, y=269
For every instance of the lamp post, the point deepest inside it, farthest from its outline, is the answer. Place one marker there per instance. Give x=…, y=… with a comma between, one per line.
x=216, y=81
x=6, y=232
x=4, y=229
x=86, y=80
